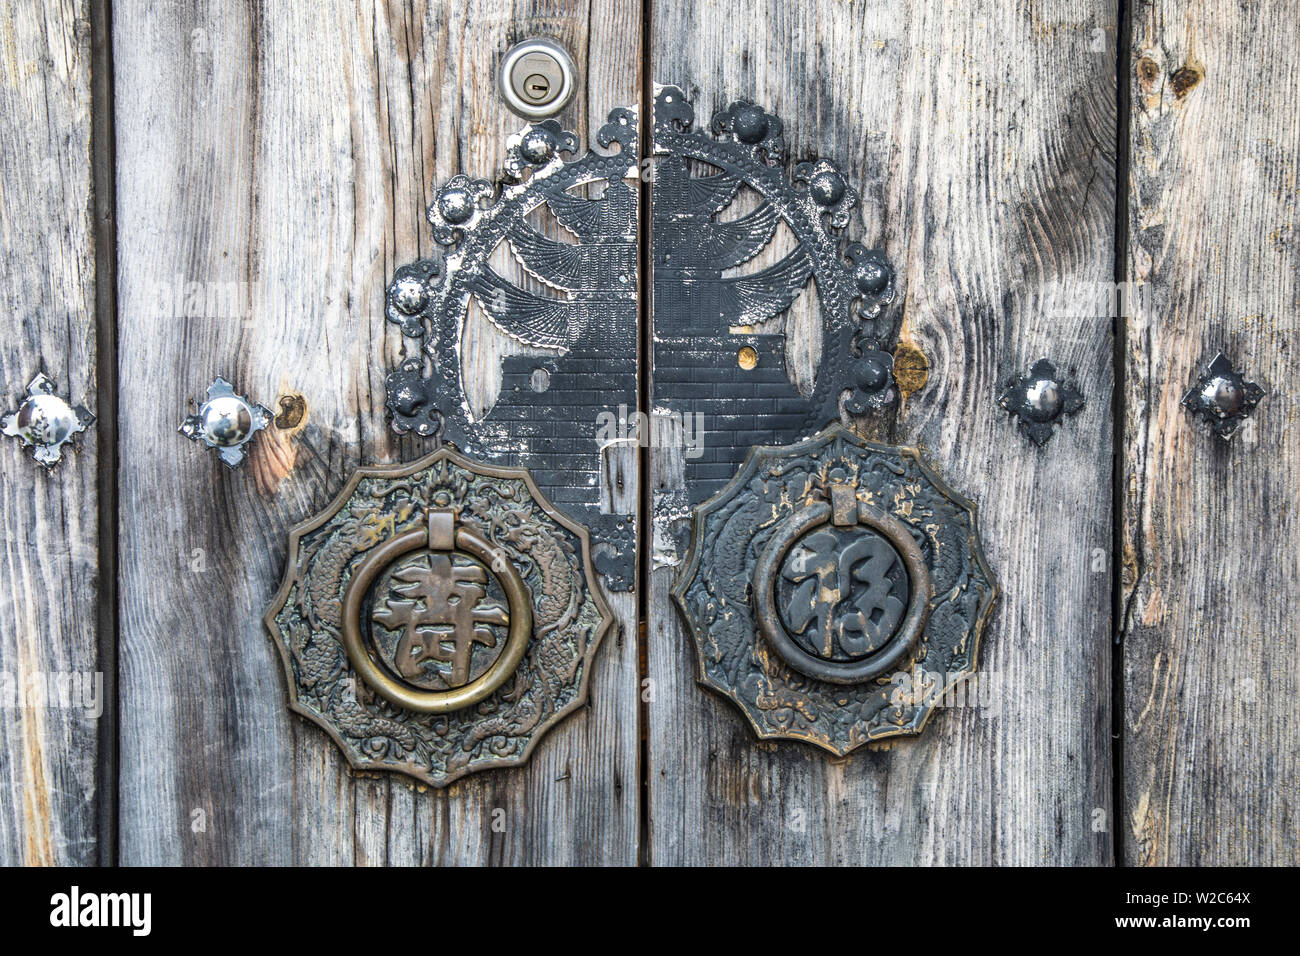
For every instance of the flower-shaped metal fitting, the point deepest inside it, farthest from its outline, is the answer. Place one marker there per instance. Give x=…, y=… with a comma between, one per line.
x=1040, y=400
x=44, y=422
x=438, y=618
x=1222, y=396
x=835, y=591
x=226, y=422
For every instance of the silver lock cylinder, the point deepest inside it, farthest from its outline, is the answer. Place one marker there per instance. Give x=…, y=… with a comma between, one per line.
x=537, y=78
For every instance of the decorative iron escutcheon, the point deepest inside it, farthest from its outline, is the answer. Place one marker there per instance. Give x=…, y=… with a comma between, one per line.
x=571, y=227
x=834, y=588
x=438, y=617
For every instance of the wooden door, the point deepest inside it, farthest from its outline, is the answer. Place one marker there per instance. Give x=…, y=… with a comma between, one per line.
x=192, y=190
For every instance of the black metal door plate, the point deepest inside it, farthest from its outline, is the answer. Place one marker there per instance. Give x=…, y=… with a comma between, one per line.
x=580, y=308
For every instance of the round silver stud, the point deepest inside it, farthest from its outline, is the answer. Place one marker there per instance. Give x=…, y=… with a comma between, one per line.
x=1040, y=400
x=1224, y=396
x=44, y=421
x=1043, y=401
x=409, y=295
x=226, y=422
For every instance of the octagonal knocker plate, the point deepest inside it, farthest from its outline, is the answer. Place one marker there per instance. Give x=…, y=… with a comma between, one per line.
x=438, y=617
x=835, y=589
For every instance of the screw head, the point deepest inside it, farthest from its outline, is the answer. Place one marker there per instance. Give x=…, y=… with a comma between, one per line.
x=749, y=124
x=225, y=421
x=827, y=188
x=409, y=295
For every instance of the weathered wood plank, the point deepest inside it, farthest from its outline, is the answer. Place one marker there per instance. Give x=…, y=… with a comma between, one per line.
x=292, y=151
x=48, y=747
x=1211, y=755
x=983, y=139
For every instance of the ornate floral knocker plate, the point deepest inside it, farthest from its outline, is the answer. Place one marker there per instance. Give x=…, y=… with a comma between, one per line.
x=823, y=578
x=438, y=617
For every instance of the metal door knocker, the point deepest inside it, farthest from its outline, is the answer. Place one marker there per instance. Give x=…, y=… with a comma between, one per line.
x=438, y=617
x=834, y=588
x=852, y=586
x=444, y=616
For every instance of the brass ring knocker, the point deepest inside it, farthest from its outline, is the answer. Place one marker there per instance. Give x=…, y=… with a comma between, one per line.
x=441, y=533
x=768, y=568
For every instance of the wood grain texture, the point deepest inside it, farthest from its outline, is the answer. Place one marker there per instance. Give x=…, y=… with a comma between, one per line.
x=983, y=140
x=1211, y=753
x=49, y=793
x=292, y=150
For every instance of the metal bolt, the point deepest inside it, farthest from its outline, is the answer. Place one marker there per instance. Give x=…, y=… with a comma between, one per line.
x=226, y=422
x=537, y=78
x=1222, y=396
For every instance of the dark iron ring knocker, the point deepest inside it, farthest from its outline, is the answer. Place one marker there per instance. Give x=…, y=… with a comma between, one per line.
x=437, y=535
x=898, y=644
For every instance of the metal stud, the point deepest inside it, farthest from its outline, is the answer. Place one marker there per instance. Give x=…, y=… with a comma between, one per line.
x=1040, y=400
x=1222, y=396
x=44, y=422
x=226, y=422
x=872, y=386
